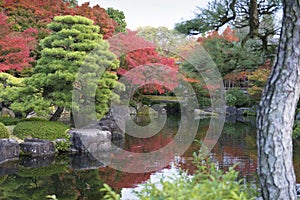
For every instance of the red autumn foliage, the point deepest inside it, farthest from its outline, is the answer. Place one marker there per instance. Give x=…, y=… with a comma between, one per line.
x=100, y=17
x=228, y=35
x=38, y=13
x=15, y=46
x=136, y=53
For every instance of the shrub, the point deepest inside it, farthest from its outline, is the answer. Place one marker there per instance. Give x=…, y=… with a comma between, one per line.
x=63, y=145
x=3, y=131
x=33, y=119
x=41, y=129
x=9, y=121
x=238, y=98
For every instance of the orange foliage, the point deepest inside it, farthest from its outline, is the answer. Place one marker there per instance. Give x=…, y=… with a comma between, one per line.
x=228, y=35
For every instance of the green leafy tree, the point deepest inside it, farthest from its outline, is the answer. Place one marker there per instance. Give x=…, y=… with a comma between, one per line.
x=64, y=52
x=253, y=14
x=166, y=41
x=119, y=17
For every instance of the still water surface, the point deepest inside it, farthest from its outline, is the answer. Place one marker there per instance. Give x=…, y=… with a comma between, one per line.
x=27, y=179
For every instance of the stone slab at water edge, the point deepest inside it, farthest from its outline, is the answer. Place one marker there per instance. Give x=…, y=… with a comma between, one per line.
x=90, y=140
x=9, y=150
x=37, y=147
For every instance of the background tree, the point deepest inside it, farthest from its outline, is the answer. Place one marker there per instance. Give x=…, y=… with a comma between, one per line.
x=63, y=53
x=100, y=17
x=38, y=13
x=119, y=17
x=227, y=53
x=253, y=15
x=15, y=47
x=134, y=51
x=166, y=41
x=276, y=112
x=72, y=3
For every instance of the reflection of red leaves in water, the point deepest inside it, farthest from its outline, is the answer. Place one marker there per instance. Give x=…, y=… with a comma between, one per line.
x=154, y=143
x=118, y=179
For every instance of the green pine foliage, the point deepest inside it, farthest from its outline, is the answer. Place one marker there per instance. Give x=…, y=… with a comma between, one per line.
x=74, y=46
x=3, y=131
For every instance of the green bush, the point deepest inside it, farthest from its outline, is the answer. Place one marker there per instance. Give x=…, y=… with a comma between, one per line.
x=9, y=121
x=236, y=97
x=41, y=129
x=33, y=119
x=3, y=131
x=63, y=145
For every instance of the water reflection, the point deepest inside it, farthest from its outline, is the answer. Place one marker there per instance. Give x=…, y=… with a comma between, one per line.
x=19, y=180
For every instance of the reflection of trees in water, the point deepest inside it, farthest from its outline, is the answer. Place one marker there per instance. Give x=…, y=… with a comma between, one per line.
x=237, y=145
x=37, y=183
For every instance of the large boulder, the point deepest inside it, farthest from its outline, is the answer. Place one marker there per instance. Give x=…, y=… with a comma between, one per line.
x=113, y=121
x=9, y=150
x=90, y=140
x=7, y=112
x=37, y=147
x=231, y=110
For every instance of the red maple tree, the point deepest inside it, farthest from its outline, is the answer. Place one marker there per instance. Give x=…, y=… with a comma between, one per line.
x=15, y=47
x=152, y=71
x=39, y=13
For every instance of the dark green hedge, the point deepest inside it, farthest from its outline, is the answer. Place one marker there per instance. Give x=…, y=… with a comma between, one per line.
x=3, y=131
x=40, y=129
x=9, y=121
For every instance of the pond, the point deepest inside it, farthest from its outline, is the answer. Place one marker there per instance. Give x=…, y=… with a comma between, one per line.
x=80, y=177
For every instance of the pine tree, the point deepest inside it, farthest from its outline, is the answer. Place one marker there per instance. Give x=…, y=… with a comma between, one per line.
x=74, y=45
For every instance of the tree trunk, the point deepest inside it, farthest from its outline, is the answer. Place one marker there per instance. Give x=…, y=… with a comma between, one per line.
x=57, y=114
x=276, y=112
x=253, y=18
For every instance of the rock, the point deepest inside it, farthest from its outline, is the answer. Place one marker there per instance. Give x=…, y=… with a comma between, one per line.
x=9, y=150
x=31, y=114
x=208, y=109
x=113, y=121
x=230, y=118
x=37, y=147
x=298, y=189
x=7, y=112
x=199, y=112
x=163, y=111
x=90, y=140
x=132, y=111
x=231, y=110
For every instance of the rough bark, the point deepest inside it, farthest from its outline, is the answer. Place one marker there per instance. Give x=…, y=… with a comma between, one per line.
x=57, y=114
x=276, y=112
